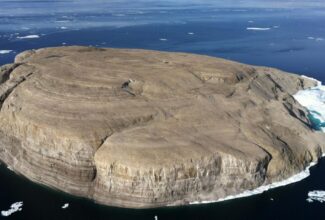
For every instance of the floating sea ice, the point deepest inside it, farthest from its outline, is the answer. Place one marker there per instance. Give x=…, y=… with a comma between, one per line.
x=15, y=207
x=316, y=195
x=5, y=51
x=119, y=15
x=66, y=205
x=190, y=33
x=163, y=39
x=63, y=28
x=62, y=21
x=29, y=36
x=257, y=29
x=315, y=38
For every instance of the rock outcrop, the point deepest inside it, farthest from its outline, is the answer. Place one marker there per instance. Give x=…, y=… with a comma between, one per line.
x=138, y=128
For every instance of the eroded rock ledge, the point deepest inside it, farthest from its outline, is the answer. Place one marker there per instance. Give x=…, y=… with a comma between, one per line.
x=138, y=128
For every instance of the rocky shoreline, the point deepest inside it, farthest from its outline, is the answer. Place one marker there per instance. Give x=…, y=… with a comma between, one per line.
x=141, y=129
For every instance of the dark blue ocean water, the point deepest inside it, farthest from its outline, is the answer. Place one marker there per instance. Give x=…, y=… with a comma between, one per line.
x=292, y=38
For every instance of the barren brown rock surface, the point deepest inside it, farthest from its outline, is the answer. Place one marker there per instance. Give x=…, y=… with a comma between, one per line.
x=137, y=128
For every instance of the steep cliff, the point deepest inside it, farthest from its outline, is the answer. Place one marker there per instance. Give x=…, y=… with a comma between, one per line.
x=138, y=128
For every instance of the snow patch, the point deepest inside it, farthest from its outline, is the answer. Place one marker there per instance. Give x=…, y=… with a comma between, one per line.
x=15, y=207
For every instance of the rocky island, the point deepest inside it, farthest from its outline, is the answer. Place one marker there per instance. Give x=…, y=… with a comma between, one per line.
x=140, y=129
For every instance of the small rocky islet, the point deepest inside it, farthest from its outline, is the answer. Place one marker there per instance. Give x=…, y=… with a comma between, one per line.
x=139, y=128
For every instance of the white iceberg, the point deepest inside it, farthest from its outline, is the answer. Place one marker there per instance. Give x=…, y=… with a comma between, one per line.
x=316, y=195
x=66, y=205
x=33, y=36
x=258, y=28
x=163, y=39
x=5, y=51
x=15, y=207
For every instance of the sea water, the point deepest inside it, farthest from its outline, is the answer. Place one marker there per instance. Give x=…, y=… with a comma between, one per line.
x=285, y=34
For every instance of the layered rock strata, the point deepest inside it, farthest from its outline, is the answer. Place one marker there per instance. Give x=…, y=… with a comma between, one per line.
x=140, y=129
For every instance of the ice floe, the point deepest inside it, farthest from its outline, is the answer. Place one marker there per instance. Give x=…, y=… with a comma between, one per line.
x=258, y=28
x=163, y=39
x=5, y=51
x=316, y=195
x=62, y=21
x=63, y=28
x=295, y=178
x=66, y=205
x=33, y=36
x=315, y=38
x=190, y=33
x=15, y=207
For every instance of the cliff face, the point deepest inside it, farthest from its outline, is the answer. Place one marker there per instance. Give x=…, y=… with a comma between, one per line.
x=137, y=128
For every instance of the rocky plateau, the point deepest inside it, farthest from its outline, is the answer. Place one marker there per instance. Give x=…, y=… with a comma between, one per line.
x=140, y=129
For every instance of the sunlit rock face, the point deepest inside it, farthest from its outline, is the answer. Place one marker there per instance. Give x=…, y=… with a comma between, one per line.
x=139, y=128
